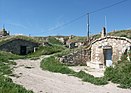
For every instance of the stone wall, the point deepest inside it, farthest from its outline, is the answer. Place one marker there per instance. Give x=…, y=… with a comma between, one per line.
x=117, y=44
x=79, y=57
x=14, y=46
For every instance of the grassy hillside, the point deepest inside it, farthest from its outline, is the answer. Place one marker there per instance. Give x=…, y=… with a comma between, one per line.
x=121, y=33
x=10, y=38
x=46, y=50
x=53, y=40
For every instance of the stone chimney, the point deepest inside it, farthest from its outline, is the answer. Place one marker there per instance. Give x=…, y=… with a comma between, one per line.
x=103, y=34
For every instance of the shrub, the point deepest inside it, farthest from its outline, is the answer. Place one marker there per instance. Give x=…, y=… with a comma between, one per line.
x=120, y=74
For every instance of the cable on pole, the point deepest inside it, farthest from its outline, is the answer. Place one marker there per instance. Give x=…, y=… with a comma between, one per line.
x=92, y=12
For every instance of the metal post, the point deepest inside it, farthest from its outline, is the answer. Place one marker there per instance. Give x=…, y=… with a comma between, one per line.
x=88, y=27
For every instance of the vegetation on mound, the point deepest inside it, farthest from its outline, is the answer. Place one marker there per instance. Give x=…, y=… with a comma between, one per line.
x=121, y=33
x=79, y=38
x=53, y=40
x=121, y=73
x=46, y=50
x=10, y=38
x=64, y=52
x=6, y=84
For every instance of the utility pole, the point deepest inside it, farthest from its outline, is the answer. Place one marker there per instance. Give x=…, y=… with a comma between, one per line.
x=88, y=27
x=105, y=23
x=3, y=26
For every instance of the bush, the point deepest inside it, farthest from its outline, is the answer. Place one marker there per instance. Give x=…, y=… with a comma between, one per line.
x=120, y=74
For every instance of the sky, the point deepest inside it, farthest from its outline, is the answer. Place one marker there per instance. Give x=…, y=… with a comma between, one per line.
x=54, y=17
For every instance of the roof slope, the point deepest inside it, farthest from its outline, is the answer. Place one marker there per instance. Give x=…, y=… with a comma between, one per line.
x=11, y=38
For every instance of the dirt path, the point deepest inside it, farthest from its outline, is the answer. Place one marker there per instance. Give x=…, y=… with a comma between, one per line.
x=33, y=78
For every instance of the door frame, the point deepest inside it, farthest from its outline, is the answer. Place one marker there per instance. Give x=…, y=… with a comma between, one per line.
x=23, y=50
x=105, y=49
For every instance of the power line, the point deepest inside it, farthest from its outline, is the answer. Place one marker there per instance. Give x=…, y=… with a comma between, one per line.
x=108, y=6
x=69, y=22
x=92, y=12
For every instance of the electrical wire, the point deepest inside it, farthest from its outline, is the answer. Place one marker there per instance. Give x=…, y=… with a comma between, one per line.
x=92, y=12
x=108, y=6
x=89, y=13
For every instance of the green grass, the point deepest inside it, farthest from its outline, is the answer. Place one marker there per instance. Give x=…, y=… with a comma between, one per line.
x=64, y=52
x=9, y=56
x=121, y=33
x=79, y=38
x=10, y=38
x=53, y=65
x=53, y=40
x=6, y=84
x=90, y=78
x=46, y=50
x=121, y=73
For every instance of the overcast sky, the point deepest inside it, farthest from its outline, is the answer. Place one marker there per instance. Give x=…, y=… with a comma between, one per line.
x=48, y=17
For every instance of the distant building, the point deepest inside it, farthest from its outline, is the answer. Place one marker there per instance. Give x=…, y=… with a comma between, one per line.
x=3, y=32
x=61, y=39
